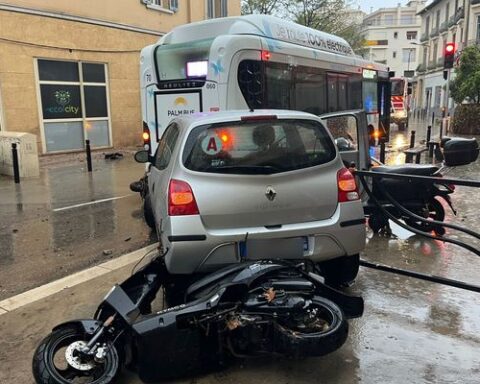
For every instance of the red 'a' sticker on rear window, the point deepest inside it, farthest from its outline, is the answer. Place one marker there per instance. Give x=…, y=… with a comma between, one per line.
x=211, y=144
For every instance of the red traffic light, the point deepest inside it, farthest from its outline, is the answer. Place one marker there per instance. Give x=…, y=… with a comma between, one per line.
x=449, y=55
x=450, y=48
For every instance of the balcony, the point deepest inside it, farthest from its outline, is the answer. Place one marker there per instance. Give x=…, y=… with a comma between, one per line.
x=475, y=2
x=451, y=21
x=460, y=14
x=434, y=32
x=432, y=65
x=440, y=62
x=424, y=37
x=421, y=68
x=444, y=26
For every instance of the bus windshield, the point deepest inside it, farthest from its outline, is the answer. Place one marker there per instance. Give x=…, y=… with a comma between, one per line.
x=171, y=60
x=398, y=86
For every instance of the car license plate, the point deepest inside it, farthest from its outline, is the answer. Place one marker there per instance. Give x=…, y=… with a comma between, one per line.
x=257, y=249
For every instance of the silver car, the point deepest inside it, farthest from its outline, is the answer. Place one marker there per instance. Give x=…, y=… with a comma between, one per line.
x=231, y=186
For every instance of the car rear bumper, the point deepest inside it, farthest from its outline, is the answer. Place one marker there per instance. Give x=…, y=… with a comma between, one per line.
x=193, y=248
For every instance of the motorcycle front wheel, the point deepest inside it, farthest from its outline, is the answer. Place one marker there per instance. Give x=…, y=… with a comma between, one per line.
x=319, y=330
x=56, y=360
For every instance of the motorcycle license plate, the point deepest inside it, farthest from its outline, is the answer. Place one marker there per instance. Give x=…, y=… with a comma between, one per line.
x=258, y=249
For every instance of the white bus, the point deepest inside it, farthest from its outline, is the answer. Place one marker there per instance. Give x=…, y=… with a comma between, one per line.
x=256, y=62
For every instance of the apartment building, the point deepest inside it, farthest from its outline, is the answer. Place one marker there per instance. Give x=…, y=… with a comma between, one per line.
x=69, y=70
x=443, y=21
x=389, y=34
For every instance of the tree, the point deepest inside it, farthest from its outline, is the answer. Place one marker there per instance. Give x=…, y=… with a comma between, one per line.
x=329, y=16
x=265, y=7
x=324, y=15
x=466, y=85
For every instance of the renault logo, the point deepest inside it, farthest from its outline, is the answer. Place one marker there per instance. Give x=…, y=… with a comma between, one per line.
x=270, y=193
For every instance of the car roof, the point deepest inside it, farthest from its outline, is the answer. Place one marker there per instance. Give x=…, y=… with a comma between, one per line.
x=202, y=118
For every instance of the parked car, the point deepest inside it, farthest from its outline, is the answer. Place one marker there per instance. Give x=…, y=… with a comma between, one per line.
x=231, y=186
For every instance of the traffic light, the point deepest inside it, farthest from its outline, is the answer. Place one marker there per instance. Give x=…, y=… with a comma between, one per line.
x=449, y=56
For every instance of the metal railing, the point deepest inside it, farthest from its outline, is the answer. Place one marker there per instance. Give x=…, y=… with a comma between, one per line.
x=424, y=37
x=434, y=32
x=444, y=27
x=440, y=62
x=451, y=21
x=421, y=68
x=459, y=14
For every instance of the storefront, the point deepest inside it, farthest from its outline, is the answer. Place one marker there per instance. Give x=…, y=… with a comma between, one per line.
x=74, y=104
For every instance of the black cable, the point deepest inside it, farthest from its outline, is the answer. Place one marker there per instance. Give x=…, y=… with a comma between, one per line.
x=423, y=219
x=408, y=228
x=66, y=48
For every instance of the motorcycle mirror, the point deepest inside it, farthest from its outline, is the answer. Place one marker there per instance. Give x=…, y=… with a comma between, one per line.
x=141, y=156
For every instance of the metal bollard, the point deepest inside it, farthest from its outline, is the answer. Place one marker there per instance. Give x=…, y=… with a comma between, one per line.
x=431, y=146
x=382, y=150
x=412, y=139
x=433, y=119
x=16, y=169
x=429, y=134
x=89, y=155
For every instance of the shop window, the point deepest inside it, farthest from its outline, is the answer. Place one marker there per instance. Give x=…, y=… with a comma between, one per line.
x=74, y=104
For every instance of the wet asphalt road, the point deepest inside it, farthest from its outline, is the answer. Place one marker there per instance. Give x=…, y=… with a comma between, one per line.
x=55, y=225
x=412, y=331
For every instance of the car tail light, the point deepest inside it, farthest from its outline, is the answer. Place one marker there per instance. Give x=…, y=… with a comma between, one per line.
x=181, y=200
x=146, y=137
x=347, y=187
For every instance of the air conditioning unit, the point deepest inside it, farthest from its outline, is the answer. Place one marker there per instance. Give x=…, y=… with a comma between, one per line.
x=26, y=150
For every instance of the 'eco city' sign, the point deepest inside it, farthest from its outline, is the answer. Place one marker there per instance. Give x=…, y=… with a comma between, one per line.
x=60, y=102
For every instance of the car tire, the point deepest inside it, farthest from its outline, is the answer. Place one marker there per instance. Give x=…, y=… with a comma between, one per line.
x=148, y=211
x=340, y=271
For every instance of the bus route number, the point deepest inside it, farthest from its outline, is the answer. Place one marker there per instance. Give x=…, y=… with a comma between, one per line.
x=211, y=86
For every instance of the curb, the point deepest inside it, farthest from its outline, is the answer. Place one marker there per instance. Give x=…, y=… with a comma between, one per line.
x=39, y=293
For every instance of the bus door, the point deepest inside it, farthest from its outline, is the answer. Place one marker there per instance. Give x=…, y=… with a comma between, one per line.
x=384, y=102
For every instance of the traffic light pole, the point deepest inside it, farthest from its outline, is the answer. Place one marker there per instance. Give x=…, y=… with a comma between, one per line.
x=445, y=104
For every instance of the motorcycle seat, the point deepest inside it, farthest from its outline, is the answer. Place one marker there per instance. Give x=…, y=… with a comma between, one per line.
x=408, y=169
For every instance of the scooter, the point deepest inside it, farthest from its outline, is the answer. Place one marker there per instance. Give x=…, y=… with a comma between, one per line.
x=419, y=197
x=249, y=309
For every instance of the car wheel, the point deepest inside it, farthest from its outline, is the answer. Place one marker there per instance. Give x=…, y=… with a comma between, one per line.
x=148, y=212
x=340, y=271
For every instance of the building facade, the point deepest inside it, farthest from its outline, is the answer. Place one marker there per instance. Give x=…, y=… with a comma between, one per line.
x=443, y=21
x=389, y=34
x=69, y=70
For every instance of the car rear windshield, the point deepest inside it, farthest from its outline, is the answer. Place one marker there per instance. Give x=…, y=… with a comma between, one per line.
x=258, y=147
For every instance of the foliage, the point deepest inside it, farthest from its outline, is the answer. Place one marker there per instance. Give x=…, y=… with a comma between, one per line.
x=466, y=119
x=265, y=7
x=324, y=15
x=466, y=85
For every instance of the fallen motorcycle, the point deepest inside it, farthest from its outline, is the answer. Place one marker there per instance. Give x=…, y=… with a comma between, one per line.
x=254, y=308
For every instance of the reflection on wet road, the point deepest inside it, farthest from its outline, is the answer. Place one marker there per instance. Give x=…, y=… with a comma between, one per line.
x=67, y=220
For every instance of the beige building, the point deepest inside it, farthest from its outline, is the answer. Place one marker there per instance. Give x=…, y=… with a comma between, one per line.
x=443, y=21
x=389, y=34
x=69, y=70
